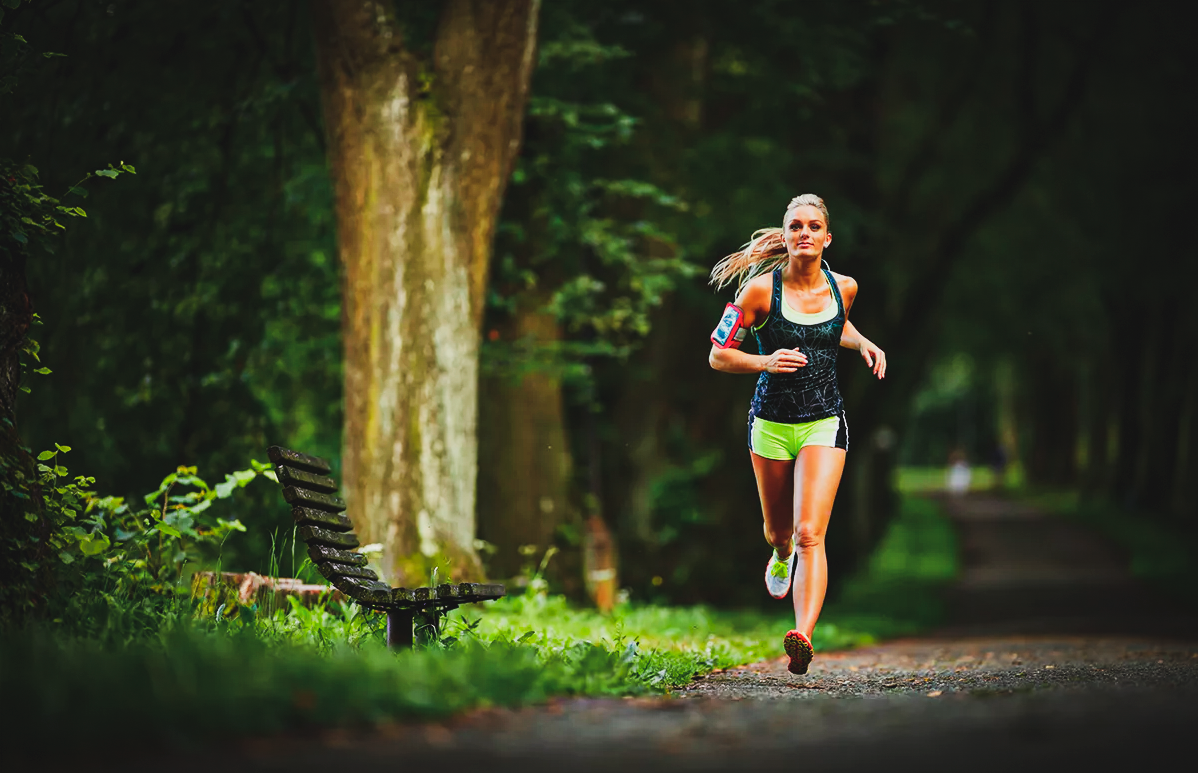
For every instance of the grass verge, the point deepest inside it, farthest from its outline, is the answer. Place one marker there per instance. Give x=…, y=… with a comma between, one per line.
x=1161, y=556
x=196, y=680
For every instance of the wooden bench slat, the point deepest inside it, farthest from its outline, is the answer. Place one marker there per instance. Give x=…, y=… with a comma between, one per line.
x=448, y=593
x=334, y=539
x=313, y=499
x=291, y=476
x=330, y=570
x=280, y=455
x=370, y=593
x=306, y=516
x=321, y=553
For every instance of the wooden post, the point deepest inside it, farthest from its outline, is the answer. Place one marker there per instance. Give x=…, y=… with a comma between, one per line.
x=399, y=628
x=599, y=563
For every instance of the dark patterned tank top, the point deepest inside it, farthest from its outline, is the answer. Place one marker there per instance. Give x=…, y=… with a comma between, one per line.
x=810, y=393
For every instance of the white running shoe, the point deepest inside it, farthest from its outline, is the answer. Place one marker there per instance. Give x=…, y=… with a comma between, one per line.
x=778, y=574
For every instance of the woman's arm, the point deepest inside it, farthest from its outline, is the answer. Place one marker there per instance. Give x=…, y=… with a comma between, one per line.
x=875, y=358
x=754, y=301
x=850, y=337
x=732, y=360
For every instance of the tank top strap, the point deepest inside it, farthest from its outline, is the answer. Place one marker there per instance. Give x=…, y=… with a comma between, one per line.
x=835, y=291
x=776, y=296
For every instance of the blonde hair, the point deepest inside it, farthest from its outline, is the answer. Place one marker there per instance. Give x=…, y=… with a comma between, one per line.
x=765, y=251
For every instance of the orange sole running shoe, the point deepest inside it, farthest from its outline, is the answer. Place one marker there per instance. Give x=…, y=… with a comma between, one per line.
x=799, y=648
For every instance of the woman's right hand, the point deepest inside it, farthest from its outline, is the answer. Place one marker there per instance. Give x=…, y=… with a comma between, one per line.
x=785, y=361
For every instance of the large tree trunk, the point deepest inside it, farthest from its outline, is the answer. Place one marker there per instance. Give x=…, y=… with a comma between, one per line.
x=524, y=455
x=420, y=150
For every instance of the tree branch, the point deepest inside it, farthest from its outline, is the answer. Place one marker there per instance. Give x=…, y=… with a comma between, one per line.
x=915, y=316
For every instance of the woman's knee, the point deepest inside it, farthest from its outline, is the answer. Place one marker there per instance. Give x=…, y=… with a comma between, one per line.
x=809, y=538
x=778, y=537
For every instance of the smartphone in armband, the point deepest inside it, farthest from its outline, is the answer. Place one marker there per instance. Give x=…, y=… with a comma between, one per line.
x=731, y=328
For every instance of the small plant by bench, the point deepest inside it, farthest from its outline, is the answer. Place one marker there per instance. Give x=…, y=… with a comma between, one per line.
x=323, y=526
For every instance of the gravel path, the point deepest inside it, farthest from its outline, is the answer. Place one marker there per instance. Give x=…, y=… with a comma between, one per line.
x=1054, y=657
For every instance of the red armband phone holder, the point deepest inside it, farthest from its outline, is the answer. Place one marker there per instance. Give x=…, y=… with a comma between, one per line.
x=730, y=330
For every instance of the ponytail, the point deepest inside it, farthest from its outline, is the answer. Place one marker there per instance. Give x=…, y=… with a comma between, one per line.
x=765, y=251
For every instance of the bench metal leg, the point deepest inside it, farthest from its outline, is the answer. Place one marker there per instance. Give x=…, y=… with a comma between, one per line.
x=399, y=628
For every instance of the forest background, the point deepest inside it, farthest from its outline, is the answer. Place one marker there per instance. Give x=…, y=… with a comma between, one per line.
x=1009, y=183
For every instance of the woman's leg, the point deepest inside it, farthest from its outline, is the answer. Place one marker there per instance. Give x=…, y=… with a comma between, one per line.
x=775, y=486
x=816, y=477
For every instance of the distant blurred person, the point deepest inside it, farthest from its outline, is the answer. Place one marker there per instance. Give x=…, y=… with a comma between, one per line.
x=797, y=310
x=998, y=466
x=959, y=475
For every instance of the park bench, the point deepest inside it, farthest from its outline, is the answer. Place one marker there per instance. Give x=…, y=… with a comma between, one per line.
x=329, y=535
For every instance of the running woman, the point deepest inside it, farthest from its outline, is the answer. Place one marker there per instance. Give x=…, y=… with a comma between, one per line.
x=798, y=311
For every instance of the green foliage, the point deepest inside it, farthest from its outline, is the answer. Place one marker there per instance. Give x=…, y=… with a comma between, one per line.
x=107, y=553
x=576, y=243
x=898, y=592
x=196, y=318
x=27, y=210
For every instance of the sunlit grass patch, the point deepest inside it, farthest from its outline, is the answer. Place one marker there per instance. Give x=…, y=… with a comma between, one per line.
x=897, y=593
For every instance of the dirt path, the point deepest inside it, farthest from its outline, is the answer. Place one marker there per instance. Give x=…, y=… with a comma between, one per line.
x=1055, y=656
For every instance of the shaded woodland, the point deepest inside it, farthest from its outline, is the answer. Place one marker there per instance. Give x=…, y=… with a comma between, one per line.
x=1011, y=184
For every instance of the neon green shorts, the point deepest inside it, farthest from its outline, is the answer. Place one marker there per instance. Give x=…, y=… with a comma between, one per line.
x=774, y=440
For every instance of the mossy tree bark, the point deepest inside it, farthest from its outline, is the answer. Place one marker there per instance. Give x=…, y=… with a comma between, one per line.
x=421, y=144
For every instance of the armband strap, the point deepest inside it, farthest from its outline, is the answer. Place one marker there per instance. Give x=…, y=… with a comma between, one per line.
x=730, y=329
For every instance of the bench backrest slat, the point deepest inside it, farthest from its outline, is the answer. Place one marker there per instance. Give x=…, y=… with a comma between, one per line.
x=334, y=539
x=330, y=570
x=306, y=462
x=330, y=538
x=306, y=516
x=313, y=499
x=290, y=476
x=321, y=553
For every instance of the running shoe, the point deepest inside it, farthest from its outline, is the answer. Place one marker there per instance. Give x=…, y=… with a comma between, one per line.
x=798, y=646
x=778, y=574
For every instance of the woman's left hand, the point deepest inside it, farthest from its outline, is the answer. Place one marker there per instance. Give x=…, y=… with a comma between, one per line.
x=874, y=357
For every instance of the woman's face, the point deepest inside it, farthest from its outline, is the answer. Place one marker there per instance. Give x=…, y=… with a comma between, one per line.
x=806, y=232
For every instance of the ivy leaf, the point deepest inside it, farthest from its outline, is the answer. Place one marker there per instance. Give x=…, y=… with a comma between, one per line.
x=64, y=449
x=43, y=371
x=109, y=173
x=44, y=455
x=94, y=544
x=168, y=530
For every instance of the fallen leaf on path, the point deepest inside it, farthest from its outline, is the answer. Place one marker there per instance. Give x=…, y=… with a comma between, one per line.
x=935, y=693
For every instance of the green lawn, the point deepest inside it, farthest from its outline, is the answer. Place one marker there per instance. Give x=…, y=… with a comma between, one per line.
x=196, y=679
